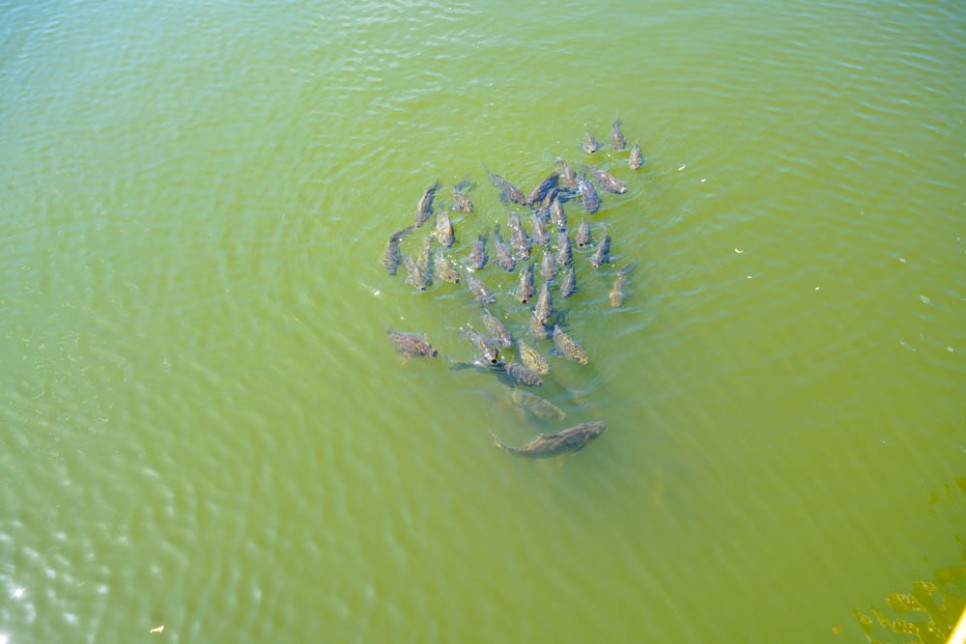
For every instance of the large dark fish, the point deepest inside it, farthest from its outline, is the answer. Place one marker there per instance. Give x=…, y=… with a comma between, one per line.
x=485, y=346
x=582, y=237
x=557, y=215
x=568, y=178
x=601, y=256
x=538, y=194
x=480, y=290
x=532, y=359
x=565, y=253
x=588, y=195
x=497, y=329
x=461, y=203
x=540, y=236
x=519, y=239
x=617, y=137
x=508, y=191
x=519, y=373
x=476, y=259
x=636, y=159
x=538, y=329
x=536, y=406
x=525, y=290
x=548, y=267
x=607, y=181
x=504, y=258
x=590, y=143
x=417, y=277
x=568, y=441
x=568, y=347
x=544, y=308
x=569, y=284
x=391, y=256
x=424, y=209
x=445, y=269
x=411, y=344
x=444, y=229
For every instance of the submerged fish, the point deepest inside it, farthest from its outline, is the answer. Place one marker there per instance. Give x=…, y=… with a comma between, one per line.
x=476, y=259
x=461, y=203
x=480, y=290
x=424, y=209
x=548, y=267
x=569, y=348
x=565, y=253
x=497, y=329
x=601, y=256
x=588, y=195
x=445, y=269
x=504, y=258
x=411, y=344
x=519, y=373
x=616, y=295
x=525, y=290
x=538, y=329
x=636, y=159
x=590, y=143
x=582, y=237
x=536, y=406
x=544, y=308
x=557, y=215
x=519, y=239
x=417, y=277
x=444, y=229
x=532, y=359
x=485, y=346
x=566, y=442
x=425, y=259
x=538, y=194
x=540, y=236
x=568, y=178
x=391, y=256
x=569, y=284
x=616, y=136
x=508, y=191
x=607, y=181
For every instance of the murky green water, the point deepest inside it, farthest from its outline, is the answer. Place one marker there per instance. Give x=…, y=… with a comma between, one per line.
x=205, y=428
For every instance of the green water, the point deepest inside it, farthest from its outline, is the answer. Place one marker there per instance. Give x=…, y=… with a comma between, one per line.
x=204, y=426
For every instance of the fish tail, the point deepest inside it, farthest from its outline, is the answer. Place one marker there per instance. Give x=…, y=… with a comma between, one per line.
x=506, y=448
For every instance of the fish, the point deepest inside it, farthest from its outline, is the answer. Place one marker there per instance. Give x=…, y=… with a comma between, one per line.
x=536, y=406
x=411, y=344
x=391, y=256
x=557, y=215
x=568, y=178
x=601, y=256
x=568, y=441
x=544, y=307
x=569, y=284
x=519, y=240
x=508, y=191
x=540, y=236
x=504, y=258
x=425, y=259
x=461, y=203
x=617, y=137
x=444, y=229
x=424, y=209
x=607, y=181
x=485, y=346
x=537, y=328
x=538, y=194
x=588, y=195
x=532, y=359
x=497, y=329
x=636, y=160
x=565, y=253
x=476, y=259
x=548, y=267
x=445, y=269
x=617, y=294
x=525, y=290
x=582, y=237
x=568, y=347
x=480, y=290
x=417, y=277
x=519, y=373
x=590, y=143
